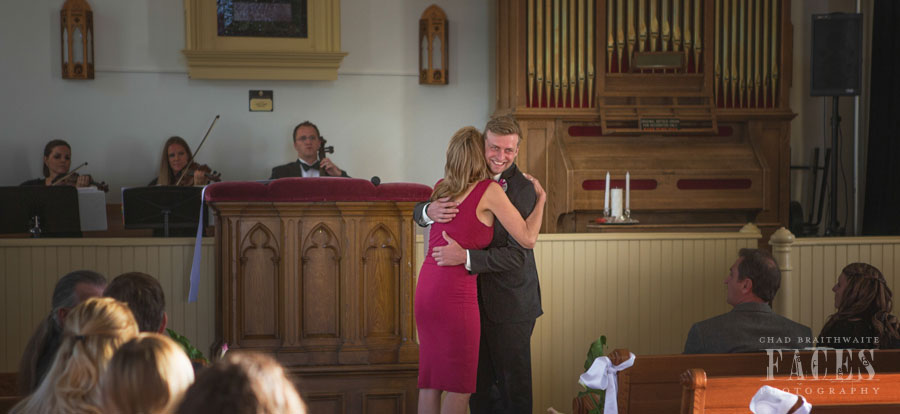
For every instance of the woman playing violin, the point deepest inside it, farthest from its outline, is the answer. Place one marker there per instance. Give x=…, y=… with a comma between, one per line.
x=57, y=160
x=175, y=158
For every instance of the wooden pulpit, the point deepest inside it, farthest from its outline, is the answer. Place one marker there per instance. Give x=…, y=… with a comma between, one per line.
x=318, y=272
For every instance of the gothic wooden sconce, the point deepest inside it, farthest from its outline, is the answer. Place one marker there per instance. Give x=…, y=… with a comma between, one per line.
x=77, y=35
x=433, y=58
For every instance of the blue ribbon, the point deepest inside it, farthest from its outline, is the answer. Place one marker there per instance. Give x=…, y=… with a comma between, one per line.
x=195, y=265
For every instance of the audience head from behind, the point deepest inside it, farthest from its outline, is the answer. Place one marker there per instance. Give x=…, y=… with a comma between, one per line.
x=72, y=289
x=144, y=295
x=148, y=374
x=92, y=333
x=243, y=383
x=864, y=303
x=754, y=277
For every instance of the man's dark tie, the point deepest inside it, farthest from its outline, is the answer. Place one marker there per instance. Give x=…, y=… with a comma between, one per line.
x=307, y=167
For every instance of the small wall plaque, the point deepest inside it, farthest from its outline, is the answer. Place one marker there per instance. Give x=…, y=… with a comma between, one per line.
x=261, y=101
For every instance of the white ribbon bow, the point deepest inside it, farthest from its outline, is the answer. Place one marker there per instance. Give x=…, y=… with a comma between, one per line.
x=602, y=376
x=770, y=400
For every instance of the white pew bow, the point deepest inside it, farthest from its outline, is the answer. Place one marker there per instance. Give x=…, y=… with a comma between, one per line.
x=602, y=376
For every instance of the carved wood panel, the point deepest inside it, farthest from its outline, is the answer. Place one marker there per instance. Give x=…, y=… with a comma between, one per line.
x=381, y=277
x=320, y=284
x=258, y=287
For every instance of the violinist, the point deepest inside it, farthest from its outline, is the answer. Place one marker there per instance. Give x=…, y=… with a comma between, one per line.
x=311, y=160
x=57, y=160
x=176, y=156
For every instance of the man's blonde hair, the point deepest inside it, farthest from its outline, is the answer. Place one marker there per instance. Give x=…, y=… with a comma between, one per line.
x=503, y=125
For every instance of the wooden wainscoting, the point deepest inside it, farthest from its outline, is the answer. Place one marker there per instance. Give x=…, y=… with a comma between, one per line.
x=642, y=290
x=29, y=269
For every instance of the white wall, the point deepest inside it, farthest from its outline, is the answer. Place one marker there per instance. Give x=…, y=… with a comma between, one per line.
x=380, y=120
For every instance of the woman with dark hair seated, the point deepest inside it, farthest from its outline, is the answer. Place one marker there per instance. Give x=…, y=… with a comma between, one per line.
x=57, y=161
x=863, y=319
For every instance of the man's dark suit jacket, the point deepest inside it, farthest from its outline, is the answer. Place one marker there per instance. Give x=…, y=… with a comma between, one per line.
x=747, y=328
x=508, y=289
x=293, y=169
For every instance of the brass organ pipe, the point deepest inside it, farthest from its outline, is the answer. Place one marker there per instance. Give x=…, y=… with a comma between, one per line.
x=654, y=26
x=632, y=34
x=734, y=51
x=775, y=45
x=529, y=34
x=666, y=26
x=590, y=52
x=717, y=72
x=539, y=40
x=642, y=25
x=548, y=57
x=620, y=34
x=688, y=36
x=698, y=39
x=572, y=55
x=742, y=15
x=676, y=26
x=610, y=39
x=556, y=50
x=756, y=64
x=765, y=54
x=581, y=34
x=564, y=56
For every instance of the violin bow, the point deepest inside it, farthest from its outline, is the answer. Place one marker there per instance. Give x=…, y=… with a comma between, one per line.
x=63, y=178
x=197, y=151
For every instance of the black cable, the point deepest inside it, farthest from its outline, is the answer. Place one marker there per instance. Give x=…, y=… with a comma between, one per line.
x=844, y=178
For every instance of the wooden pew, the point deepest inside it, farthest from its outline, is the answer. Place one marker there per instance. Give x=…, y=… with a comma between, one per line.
x=863, y=393
x=652, y=384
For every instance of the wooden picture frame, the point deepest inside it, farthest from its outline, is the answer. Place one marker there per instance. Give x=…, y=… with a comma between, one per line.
x=316, y=57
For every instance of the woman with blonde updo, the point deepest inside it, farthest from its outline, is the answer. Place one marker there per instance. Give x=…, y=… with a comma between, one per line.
x=92, y=332
x=148, y=374
x=864, y=302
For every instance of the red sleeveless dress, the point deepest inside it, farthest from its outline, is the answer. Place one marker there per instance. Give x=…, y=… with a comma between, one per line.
x=446, y=304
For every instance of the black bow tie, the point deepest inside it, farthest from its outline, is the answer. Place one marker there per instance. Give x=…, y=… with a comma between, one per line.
x=307, y=167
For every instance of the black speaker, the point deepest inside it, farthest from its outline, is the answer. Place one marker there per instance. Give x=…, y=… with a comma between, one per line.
x=836, y=54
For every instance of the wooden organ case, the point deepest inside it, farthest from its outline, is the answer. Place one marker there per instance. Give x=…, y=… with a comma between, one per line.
x=689, y=96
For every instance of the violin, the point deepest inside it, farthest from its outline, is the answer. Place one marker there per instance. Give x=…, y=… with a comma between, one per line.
x=72, y=179
x=187, y=177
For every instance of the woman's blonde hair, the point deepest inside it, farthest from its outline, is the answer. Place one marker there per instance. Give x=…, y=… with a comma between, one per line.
x=465, y=164
x=867, y=297
x=148, y=374
x=166, y=176
x=92, y=332
x=243, y=383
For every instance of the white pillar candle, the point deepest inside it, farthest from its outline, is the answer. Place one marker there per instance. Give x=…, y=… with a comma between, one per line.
x=606, y=194
x=617, y=202
x=627, y=191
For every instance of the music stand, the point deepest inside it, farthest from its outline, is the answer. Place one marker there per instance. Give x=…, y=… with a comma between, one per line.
x=41, y=211
x=163, y=208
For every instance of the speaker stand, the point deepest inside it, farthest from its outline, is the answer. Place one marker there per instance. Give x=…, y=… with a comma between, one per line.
x=834, y=229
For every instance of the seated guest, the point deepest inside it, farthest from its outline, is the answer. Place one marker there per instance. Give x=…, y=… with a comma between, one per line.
x=243, y=383
x=176, y=156
x=144, y=296
x=72, y=289
x=57, y=161
x=148, y=374
x=863, y=301
x=92, y=333
x=307, y=142
x=751, y=285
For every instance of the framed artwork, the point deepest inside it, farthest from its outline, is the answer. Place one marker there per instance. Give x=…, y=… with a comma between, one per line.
x=263, y=39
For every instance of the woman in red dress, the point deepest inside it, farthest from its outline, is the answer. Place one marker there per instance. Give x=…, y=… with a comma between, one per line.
x=446, y=302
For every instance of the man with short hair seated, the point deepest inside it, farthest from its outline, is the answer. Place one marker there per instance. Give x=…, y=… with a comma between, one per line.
x=751, y=326
x=144, y=296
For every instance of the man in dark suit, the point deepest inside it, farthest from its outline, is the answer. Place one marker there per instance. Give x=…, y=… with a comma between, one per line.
x=509, y=296
x=307, y=142
x=751, y=326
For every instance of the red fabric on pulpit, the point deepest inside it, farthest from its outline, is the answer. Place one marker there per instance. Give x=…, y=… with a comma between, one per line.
x=315, y=189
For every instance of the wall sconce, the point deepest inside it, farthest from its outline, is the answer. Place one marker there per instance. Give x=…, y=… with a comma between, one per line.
x=77, y=36
x=433, y=58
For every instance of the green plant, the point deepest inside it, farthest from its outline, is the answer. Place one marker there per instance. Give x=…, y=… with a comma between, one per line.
x=193, y=353
x=593, y=399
